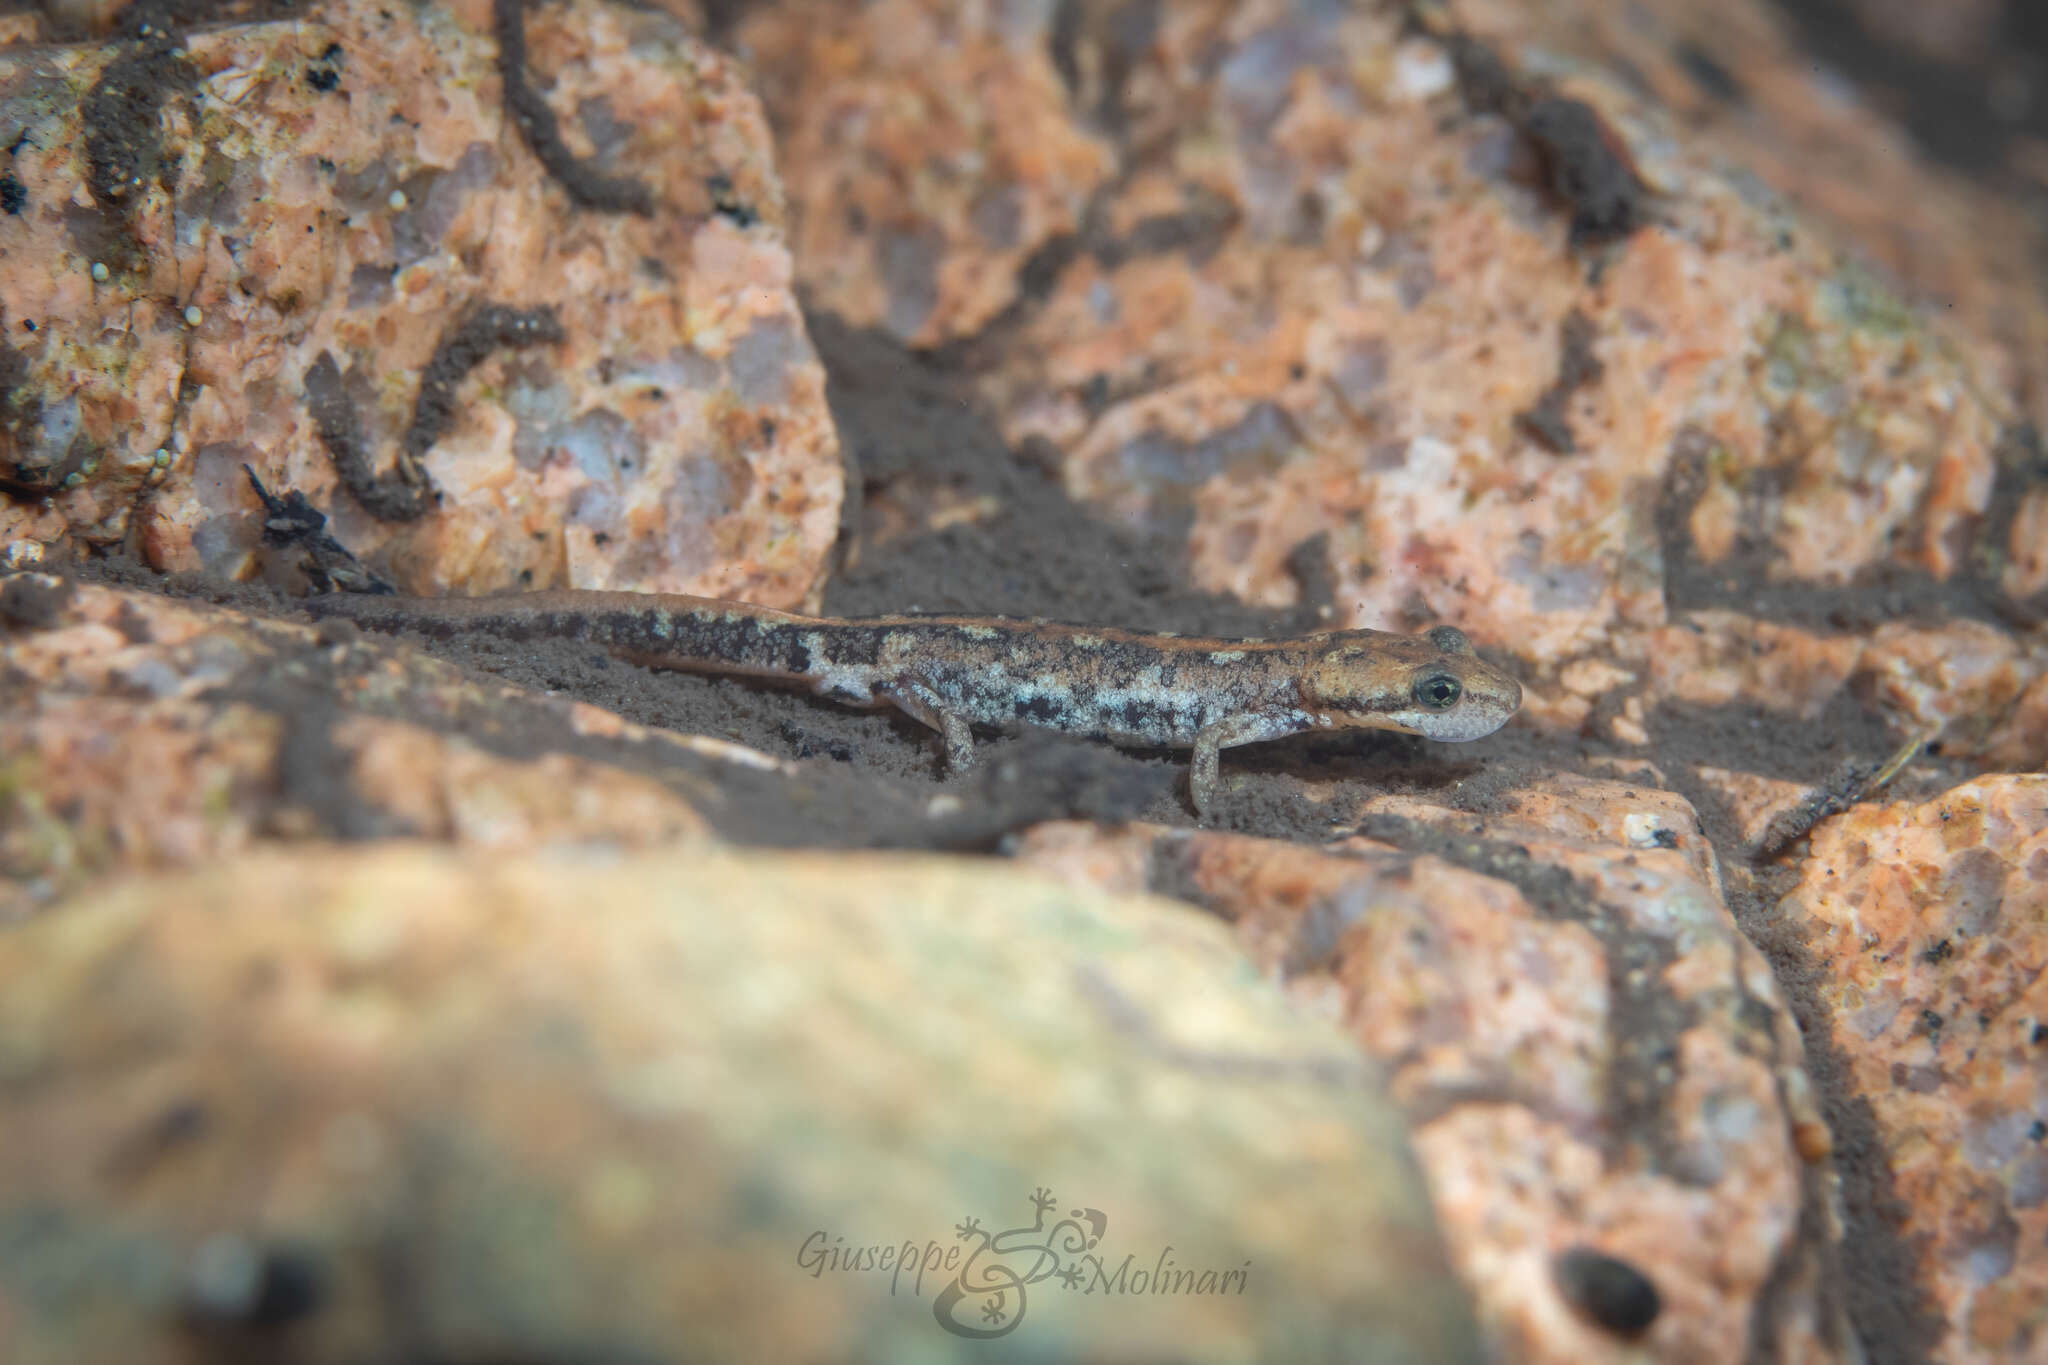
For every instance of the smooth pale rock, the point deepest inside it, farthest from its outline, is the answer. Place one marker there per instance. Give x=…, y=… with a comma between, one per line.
x=625, y=1109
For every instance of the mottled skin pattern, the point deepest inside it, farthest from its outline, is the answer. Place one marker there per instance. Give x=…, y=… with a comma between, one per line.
x=955, y=672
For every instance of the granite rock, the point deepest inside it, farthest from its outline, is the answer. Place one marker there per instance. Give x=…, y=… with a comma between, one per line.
x=467, y=1106
x=1618, y=334
x=1327, y=289
x=1589, y=1050
x=1928, y=921
x=319, y=247
x=933, y=154
x=141, y=733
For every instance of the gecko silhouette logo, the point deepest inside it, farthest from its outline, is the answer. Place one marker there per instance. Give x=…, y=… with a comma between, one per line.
x=986, y=1299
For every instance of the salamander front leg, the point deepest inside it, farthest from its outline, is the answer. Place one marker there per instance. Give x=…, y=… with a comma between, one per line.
x=1246, y=728
x=922, y=704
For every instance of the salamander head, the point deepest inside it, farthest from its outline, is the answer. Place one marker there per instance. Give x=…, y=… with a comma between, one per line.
x=1431, y=684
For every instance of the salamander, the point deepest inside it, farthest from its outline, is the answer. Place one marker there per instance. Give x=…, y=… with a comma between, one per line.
x=955, y=672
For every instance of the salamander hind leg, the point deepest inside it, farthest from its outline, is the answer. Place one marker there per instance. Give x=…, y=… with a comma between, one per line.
x=1249, y=727
x=921, y=704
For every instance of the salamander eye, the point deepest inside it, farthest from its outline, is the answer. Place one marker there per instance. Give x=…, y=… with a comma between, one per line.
x=1437, y=691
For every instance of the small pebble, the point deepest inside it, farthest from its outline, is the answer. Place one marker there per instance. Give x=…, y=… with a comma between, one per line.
x=100, y=272
x=398, y=201
x=193, y=315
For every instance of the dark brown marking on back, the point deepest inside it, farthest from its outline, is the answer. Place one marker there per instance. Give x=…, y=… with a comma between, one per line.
x=855, y=646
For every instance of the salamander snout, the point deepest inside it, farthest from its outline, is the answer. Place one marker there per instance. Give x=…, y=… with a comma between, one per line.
x=1433, y=685
x=1465, y=700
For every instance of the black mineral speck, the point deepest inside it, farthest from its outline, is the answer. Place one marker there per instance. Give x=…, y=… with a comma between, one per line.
x=1712, y=77
x=324, y=74
x=280, y=1285
x=1608, y=1290
x=1586, y=170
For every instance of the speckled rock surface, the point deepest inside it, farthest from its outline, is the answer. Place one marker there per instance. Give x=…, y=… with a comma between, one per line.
x=1930, y=921
x=141, y=733
x=279, y=244
x=1751, y=86
x=1590, y=1052
x=935, y=153
x=1329, y=294
x=1367, y=326
x=470, y=1107
x=1968, y=687
x=1747, y=473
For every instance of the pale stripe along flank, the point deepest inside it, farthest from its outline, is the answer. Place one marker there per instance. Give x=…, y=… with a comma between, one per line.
x=954, y=672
